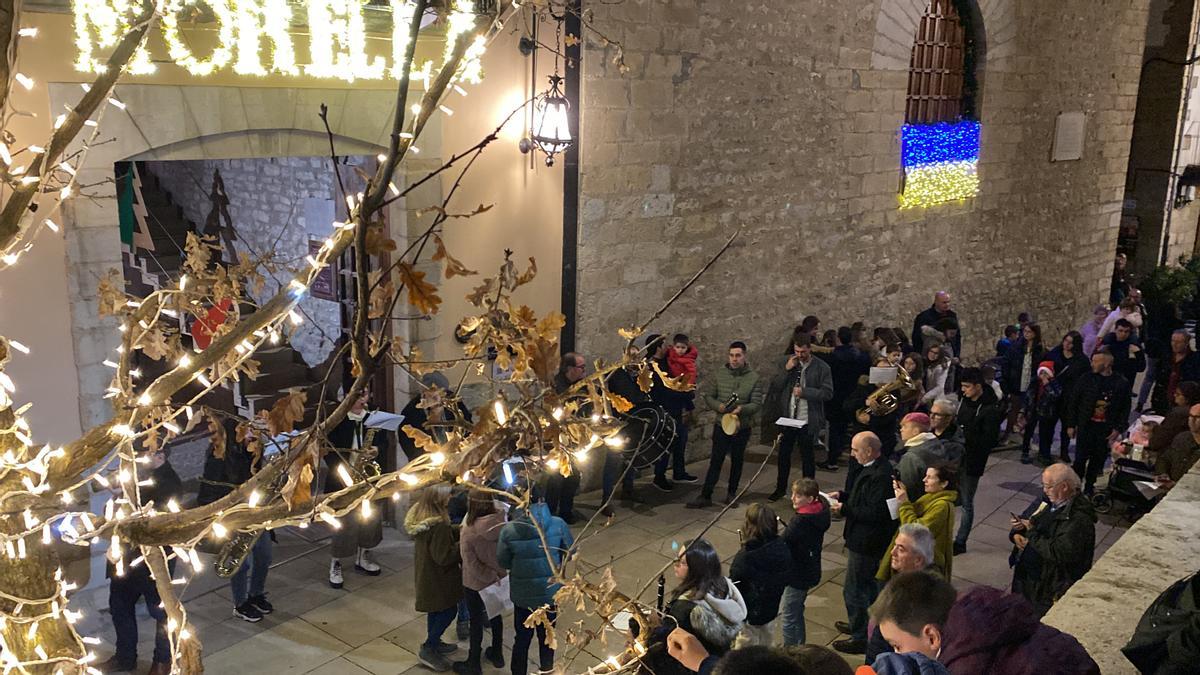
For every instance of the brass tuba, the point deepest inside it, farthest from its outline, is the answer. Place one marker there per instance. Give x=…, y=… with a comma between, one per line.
x=885, y=400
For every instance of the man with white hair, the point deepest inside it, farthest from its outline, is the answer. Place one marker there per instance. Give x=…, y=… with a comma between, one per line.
x=912, y=552
x=1055, y=545
x=943, y=416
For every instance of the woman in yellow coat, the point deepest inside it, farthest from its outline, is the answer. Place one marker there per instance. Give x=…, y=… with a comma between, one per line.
x=935, y=510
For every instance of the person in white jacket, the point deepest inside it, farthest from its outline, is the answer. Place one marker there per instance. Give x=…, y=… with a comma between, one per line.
x=937, y=368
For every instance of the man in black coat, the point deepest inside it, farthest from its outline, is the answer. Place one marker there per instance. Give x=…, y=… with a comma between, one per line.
x=979, y=417
x=868, y=531
x=1055, y=546
x=1097, y=414
x=675, y=403
x=128, y=583
x=847, y=363
x=939, y=310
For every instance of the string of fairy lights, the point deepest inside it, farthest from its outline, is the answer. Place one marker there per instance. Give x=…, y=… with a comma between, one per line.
x=242, y=25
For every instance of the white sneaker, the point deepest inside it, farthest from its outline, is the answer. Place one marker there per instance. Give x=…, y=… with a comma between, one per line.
x=364, y=564
x=335, y=573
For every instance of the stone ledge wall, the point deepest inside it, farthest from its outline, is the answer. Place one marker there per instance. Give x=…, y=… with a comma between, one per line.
x=782, y=117
x=1102, y=609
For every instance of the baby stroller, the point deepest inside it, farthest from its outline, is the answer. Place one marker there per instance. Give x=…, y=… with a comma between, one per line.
x=1122, y=488
x=1128, y=468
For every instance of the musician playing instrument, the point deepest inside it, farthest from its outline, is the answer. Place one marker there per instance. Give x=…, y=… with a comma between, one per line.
x=352, y=445
x=733, y=389
x=798, y=392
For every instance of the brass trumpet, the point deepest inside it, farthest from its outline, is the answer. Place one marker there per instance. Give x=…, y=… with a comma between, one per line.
x=885, y=400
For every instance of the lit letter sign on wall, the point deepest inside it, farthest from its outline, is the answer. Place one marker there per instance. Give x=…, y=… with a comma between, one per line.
x=337, y=46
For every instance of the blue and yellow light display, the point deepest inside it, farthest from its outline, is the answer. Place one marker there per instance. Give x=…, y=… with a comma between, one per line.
x=940, y=162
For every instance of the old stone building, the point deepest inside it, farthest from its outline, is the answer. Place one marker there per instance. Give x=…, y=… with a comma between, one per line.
x=783, y=119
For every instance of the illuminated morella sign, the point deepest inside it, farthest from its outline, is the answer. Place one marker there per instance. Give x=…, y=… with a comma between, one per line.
x=252, y=33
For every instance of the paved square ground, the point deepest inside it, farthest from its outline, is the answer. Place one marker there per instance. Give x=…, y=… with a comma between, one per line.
x=370, y=626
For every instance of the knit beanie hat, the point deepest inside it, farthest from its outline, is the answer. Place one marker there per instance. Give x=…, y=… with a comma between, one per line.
x=1047, y=366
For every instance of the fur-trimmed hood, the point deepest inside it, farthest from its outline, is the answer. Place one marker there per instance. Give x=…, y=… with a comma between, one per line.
x=719, y=620
x=415, y=526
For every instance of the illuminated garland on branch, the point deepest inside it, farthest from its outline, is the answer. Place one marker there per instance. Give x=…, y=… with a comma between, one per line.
x=940, y=163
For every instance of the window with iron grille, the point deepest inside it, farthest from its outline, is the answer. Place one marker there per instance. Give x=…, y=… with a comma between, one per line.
x=940, y=76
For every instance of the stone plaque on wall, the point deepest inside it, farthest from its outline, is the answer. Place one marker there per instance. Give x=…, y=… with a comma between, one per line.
x=322, y=285
x=1069, y=131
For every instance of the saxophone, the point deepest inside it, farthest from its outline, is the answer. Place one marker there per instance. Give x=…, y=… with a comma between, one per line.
x=885, y=400
x=366, y=460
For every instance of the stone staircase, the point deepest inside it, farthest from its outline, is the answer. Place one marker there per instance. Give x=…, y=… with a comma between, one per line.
x=281, y=369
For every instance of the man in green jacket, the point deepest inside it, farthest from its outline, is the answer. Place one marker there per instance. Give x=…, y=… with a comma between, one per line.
x=734, y=390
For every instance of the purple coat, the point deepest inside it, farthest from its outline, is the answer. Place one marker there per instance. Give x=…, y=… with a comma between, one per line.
x=998, y=633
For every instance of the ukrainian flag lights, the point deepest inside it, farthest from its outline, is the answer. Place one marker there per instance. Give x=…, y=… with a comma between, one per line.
x=939, y=162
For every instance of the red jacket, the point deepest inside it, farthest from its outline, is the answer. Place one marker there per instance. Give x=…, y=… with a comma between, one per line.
x=998, y=633
x=683, y=365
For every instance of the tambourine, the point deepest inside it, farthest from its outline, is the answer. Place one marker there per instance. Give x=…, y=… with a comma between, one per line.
x=730, y=423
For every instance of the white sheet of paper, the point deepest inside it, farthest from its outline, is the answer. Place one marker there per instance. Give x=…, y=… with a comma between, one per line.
x=378, y=419
x=497, y=598
x=893, y=505
x=882, y=375
x=789, y=422
x=1148, y=488
x=620, y=621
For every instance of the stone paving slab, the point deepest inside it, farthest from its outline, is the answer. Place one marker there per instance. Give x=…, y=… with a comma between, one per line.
x=370, y=626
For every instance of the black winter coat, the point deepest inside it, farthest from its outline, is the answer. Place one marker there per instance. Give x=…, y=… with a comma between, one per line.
x=418, y=417
x=1061, y=546
x=980, y=423
x=1014, y=363
x=1094, y=393
x=869, y=525
x=761, y=571
x=1068, y=370
x=847, y=364
x=223, y=474
x=1189, y=371
x=1126, y=362
x=804, y=535
x=343, y=436
x=930, y=317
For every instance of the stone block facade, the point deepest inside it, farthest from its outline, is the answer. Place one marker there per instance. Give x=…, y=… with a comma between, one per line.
x=781, y=119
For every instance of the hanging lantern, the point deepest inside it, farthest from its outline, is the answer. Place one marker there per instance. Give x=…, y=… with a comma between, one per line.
x=551, y=125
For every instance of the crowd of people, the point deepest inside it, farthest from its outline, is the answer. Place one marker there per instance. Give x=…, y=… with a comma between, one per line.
x=919, y=425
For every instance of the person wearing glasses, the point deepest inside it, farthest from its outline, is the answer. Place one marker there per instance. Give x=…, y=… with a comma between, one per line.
x=1054, y=542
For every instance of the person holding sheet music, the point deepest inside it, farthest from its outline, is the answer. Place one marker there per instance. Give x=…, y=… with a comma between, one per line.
x=797, y=397
x=358, y=534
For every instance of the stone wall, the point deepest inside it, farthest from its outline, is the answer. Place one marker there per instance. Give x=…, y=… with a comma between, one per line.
x=781, y=118
x=278, y=205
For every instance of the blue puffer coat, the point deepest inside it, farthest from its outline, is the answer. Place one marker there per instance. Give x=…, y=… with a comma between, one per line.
x=520, y=552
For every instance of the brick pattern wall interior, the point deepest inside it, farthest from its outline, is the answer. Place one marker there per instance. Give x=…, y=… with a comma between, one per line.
x=782, y=118
x=271, y=204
